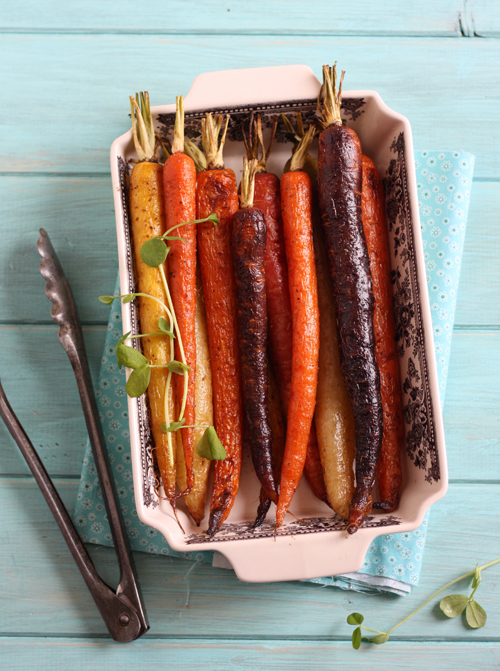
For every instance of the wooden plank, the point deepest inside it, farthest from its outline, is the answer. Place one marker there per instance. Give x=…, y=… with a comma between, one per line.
x=240, y=655
x=438, y=17
x=79, y=217
x=428, y=80
x=472, y=421
x=478, y=302
x=32, y=361
x=484, y=18
x=78, y=214
x=39, y=382
x=43, y=592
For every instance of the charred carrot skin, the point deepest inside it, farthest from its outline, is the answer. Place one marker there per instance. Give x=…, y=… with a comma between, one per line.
x=375, y=228
x=217, y=192
x=340, y=181
x=179, y=185
x=267, y=199
x=296, y=199
x=278, y=431
x=249, y=247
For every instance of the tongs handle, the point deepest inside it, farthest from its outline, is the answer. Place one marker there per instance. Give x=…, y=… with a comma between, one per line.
x=121, y=619
x=65, y=314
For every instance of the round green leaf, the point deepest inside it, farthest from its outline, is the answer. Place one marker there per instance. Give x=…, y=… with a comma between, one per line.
x=138, y=381
x=454, y=604
x=122, y=339
x=356, y=638
x=164, y=327
x=475, y=615
x=210, y=447
x=380, y=638
x=173, y=426
x=129, y=356
x=178, y=367
x=154, y=252
x=355, y=618
x=128, y=298
x=107, y=300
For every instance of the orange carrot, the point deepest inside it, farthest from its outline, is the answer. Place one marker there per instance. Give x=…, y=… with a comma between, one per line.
x=296, y=206
x=179, y=185
x=375, y=228
x=217, y=192
x=268, y=200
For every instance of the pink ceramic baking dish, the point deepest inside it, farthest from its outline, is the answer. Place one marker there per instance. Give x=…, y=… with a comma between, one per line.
x=318, y=545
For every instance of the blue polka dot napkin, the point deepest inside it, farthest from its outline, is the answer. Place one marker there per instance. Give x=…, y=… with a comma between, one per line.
x=393, y=561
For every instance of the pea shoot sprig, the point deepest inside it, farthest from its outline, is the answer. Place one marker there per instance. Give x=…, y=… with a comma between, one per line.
x=452, y=606
x=154, y=253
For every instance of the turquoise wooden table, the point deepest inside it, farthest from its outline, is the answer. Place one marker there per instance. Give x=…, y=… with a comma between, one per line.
x=67, y=70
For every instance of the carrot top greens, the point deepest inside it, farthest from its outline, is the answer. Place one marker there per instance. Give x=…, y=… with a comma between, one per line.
x=248, y=182
x=329, y=114
x=210, y=130
x=143, y=130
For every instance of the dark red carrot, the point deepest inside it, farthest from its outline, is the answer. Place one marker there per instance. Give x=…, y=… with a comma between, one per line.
x=296, y=206
x=249, y=248
x=277, y=420
x=375, y=227
x=217, y=192
x=267, y=198
x=179, y=186
x=340, y=179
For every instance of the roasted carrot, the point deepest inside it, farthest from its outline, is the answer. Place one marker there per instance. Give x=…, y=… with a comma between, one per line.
x=277, y=420
x=204, y=416
x=179, y=184
x=147, y=219
x=296, y=207
x=249, y=248
x=333, y=417
x=217, y=192
x=267, y=199
x=375, y=228
x=340, y=179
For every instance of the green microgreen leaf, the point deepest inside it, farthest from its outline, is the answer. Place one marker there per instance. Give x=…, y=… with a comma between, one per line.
x=178, y=367
x=107, y=300
x=356, y=638
x=454, y=604
x=172, y=237
x=130, y=357
x=213, y=218
x=476, y=580
x=173, y=426
x=122, y=339
x=154, y=252
x=165, y=327
x=138, y=381
x=378, y=640
x=210, y=447
x=128, y=298
x=475, y=615
x=355, y=618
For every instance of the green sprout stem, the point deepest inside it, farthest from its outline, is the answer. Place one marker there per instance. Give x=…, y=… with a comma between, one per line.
x=167, y=421
x=452, y=582
x=179, y=340
x=211, y=217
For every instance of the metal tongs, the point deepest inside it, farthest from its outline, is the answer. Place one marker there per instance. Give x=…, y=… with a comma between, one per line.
x=123, y=611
